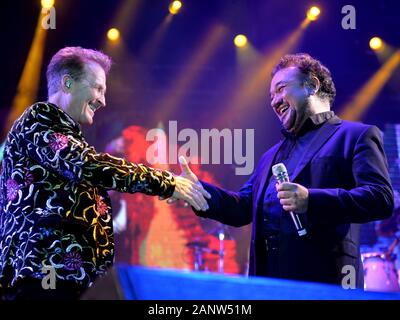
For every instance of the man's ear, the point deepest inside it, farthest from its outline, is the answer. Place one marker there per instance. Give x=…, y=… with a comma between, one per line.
x=313, y=84
x=66, y=83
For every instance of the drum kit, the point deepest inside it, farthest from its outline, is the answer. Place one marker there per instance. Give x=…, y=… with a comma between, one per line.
x=380, y=272
x=200, y=248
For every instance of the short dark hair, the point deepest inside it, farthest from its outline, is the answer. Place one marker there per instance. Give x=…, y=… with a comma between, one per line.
x=72, y=60
x=310, y=67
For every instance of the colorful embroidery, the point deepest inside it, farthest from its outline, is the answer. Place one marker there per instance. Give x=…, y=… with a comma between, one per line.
x=58, y=142
x=72, y=261
x=102, y=207
x=60, y=202
x=28, y=179
x=12, y=189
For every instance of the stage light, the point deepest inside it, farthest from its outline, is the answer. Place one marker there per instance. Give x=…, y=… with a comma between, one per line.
x=313, y=13
x=47, y=4
x=240, y=40
x=375, y=43
x=175, y=6
x=113, y=34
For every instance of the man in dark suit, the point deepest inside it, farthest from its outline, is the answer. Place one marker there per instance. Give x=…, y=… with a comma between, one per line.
x=339, y=179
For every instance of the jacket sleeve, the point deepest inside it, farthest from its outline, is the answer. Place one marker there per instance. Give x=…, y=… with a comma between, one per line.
x=228, y=207
x=371, y=198
x=55, y=145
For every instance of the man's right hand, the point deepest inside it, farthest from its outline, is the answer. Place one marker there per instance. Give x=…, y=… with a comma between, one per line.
x=191, y=192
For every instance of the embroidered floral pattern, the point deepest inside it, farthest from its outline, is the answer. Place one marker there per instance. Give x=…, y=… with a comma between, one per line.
x=58, y=141
x=54, y=216
x=68, y=174
x=72, y=261
x=12, y=189
x=28, y=178
x=42, y=212
x=102, y=207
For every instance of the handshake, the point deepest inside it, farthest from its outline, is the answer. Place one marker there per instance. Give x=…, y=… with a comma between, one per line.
x=189, y=188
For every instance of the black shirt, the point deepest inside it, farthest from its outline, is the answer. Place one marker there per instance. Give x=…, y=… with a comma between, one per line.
x=289, y=153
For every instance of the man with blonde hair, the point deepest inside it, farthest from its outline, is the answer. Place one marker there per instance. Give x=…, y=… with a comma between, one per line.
x=56, y=233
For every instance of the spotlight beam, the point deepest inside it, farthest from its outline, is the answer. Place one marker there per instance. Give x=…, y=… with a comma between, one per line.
x=150, y=47
x=252, y=86
x=207, y=47
x=354, y=110
x=28, y=84
x=123, y=19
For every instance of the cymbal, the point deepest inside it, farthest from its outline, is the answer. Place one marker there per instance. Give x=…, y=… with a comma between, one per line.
x=202, y=246
x=214, y=228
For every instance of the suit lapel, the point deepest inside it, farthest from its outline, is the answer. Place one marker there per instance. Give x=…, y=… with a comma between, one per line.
x=323, y=135
x=266, y=169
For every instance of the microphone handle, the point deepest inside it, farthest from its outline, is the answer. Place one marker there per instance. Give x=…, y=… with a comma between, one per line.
x=301, y=231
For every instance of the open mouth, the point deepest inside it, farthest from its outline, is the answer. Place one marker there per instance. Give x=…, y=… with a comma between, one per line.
x=93, y=106
x=282, y=109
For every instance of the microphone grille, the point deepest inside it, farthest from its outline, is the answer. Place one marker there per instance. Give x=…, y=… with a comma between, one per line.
x=279, y=169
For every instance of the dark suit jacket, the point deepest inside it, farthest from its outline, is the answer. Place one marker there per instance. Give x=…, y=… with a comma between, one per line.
x=345, y=171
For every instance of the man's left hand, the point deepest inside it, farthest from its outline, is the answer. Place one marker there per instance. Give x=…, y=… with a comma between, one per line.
x=293, y=197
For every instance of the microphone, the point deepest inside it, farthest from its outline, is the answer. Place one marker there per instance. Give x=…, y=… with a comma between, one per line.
x=281, y=175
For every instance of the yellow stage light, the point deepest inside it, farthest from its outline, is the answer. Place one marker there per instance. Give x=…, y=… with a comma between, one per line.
x=240, y=40
x=375, y=43
x=175, y=6
x=47, y=4
x=313, y=13
x=113, y=34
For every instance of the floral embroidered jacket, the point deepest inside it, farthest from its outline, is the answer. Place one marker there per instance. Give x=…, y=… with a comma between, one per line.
x=55, y=212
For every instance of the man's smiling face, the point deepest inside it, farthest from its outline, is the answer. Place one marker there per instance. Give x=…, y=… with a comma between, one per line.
x=289, y=98
x=88, y=94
